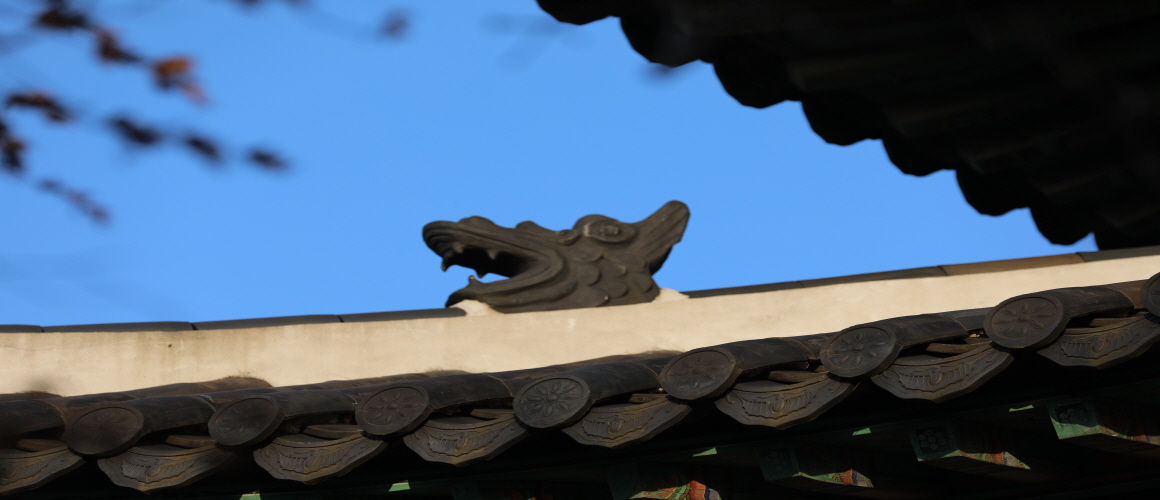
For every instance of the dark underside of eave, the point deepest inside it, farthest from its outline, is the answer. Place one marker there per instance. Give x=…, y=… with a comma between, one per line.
x=1046, y=393
x=1052, y=105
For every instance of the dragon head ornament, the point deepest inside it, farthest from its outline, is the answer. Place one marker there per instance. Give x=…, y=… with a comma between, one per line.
x=600, y=261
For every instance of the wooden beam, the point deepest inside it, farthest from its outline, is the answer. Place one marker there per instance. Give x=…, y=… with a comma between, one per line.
x=686, y=482
x=527, y=490
x=841, y=471
x=982, y=450
x=817, y=468
x=652, y=480
x=1107, y=425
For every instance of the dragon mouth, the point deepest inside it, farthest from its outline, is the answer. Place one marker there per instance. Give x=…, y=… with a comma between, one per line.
x=478, y=244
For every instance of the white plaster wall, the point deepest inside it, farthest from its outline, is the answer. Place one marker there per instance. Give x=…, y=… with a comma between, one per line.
x=91, y=362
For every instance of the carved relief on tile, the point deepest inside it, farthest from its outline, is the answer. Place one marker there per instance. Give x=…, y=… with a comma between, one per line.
x=156, y=467
x=552, y=401
x=308, y=459
x=614, y=426
x=779, y=405
x=1026, y=321
x=25, y=470
x=462, y=441
x=245, y=421
x=1104, y=346
x=1150, y=294
x=398, y=409
x=940, y=379
x=104, y=430
x=860, y=351
x=699, y=373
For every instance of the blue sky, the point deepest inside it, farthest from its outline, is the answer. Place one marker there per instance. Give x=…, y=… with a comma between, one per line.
x=462, y=117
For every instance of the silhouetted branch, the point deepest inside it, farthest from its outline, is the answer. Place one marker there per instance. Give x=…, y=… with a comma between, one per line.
x=39, y=101
x=173, y=73
x=78, y=199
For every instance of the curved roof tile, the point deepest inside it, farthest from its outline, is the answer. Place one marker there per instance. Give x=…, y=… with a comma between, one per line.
x=175, y=436
x=1046, y=105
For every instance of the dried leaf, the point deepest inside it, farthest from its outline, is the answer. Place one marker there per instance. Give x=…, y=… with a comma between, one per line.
x=78, y=199
x=39, y=101
x=12, y=155
x=204, y=147
x=169, y=73
x=59, y=16
x=135, y=133
x=175, y=73
x=266, y=159
x=109, y=49
x=193, y=92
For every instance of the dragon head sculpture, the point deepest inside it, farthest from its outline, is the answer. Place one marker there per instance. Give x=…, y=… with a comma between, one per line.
x=600, y=261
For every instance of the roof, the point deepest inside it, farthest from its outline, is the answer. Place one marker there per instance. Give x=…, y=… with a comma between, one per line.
x=86, y=359
x=1047, y=105
x=452, y=312
x=1058, y=352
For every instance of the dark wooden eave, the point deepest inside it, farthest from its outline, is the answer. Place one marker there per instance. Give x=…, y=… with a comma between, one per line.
x=1052, y=105
x=1000, y=402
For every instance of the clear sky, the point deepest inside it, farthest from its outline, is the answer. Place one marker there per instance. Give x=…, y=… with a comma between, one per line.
x=484, y=109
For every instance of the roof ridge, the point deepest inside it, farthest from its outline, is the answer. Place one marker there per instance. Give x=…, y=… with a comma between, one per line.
x=466, y=418
x=450, y=312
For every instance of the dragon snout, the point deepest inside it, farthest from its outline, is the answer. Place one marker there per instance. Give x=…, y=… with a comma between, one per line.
x=471, y=244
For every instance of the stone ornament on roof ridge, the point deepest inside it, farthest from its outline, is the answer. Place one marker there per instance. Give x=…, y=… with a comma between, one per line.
x=599, y=262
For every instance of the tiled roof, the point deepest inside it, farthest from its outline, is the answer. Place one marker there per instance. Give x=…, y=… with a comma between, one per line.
x=205, y=434
x=1047, y=105
x=177, y=326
